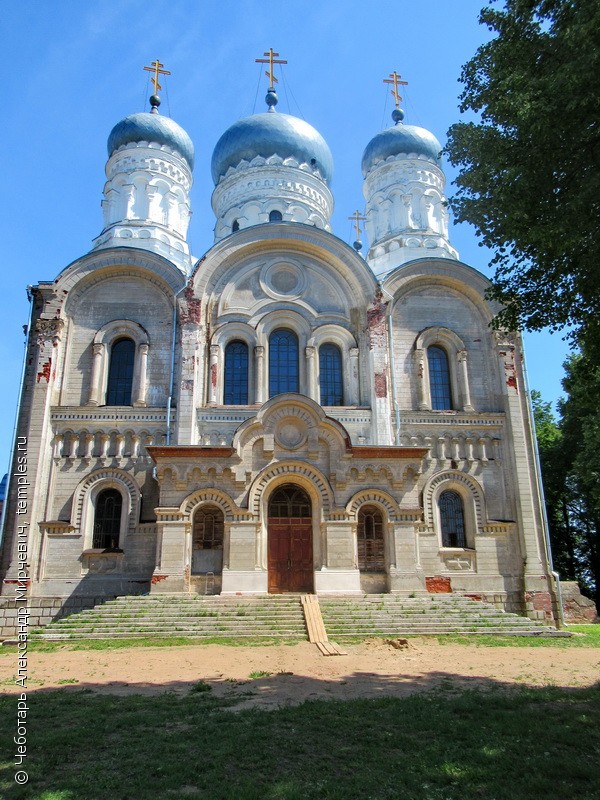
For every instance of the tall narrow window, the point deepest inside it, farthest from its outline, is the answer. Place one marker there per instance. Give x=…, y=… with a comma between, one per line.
x=236, y=374
x=452, y=519
x=120, y=373
x=439, y=379
x=283, y=363
x=235, y=226
x=208, y=532
x=370, y=544
x=275, y=216
x=330, y=375
x=107, y=520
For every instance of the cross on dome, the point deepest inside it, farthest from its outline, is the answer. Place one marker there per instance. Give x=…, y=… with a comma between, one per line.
x=271, y=60
x=395, y=80
x=156, y=68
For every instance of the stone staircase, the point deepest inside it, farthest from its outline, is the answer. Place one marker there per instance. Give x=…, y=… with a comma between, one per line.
x=437, y=614
x=273, y=617
x=281, y=617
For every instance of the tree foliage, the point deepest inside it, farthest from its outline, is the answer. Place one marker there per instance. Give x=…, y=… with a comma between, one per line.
x=529, y=176
x=569, y=451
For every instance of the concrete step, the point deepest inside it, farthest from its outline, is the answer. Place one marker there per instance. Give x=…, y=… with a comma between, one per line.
x=281, y=616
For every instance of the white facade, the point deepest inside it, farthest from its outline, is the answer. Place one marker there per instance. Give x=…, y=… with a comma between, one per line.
x=375, y=465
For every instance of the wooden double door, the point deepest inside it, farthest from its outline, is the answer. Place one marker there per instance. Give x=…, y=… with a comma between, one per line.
x=290, y=541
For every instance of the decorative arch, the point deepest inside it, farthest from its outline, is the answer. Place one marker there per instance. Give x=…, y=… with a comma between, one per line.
x=107, y=336
x=457, y=357
x=214, y=497
x=85, y=494
x=305, y=475
x=472, y=497
x=375, y=497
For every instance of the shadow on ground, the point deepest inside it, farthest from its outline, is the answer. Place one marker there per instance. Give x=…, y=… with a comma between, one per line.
x=439, y=737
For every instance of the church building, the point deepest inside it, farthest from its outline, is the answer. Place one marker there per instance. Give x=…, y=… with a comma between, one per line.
x=285, y=413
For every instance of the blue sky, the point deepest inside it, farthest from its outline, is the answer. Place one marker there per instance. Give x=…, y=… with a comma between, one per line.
x=73, y=69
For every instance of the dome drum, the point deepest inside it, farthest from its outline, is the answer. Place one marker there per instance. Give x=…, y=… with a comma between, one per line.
x=250, y=192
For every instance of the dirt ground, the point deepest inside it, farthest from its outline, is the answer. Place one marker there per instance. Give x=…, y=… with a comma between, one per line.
x=273, y=676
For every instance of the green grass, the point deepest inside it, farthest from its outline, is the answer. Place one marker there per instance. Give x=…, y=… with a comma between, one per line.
x=590, y=638
x=43, y=646
x=498, y=744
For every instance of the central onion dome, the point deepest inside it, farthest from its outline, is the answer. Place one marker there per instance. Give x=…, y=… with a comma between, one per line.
x=401, y=140
x=151, y=127
x=271, y=167
x=271, y=134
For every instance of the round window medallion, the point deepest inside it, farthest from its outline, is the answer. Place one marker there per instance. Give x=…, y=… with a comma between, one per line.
x=291, y=433
x=283, y=281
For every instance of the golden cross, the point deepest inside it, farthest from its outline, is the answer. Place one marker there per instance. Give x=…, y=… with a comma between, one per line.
x=395, y=79
x=356, y=218
x=155, y=67
x=273, y=58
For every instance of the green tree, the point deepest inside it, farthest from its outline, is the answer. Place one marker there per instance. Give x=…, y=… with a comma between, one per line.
x=571, y=480
x=580, y=428
x=529, y=164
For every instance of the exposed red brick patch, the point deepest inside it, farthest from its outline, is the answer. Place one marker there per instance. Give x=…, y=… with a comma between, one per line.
x=474, y=596
x=213, y=374
x=158, y=578
x=46, y=369
x=438, y=585
x=376, y=320
x=190, y=311
x=380, y=385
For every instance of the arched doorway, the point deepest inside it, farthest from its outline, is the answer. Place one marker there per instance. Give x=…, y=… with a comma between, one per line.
x=290, y=545
x=208, y=531
x=370, y=546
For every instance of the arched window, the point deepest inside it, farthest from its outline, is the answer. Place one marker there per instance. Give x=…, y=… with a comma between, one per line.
x=289, y=502
x=283, y=363
x=452, y=519
x=439, y=379
x=330, y=375
x=275, y=216
x=208, y=532
x=370, y=544
x=235, y=226
x=120, y=373
x=209, y=527
x=236, y=374
x=107, y=520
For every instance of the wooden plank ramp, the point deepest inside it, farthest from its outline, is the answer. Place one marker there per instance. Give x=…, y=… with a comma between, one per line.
x=316, y=627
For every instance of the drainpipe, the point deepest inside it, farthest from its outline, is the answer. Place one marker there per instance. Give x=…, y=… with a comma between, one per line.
x=27, y=332
x=540, y=493
x=393, y=365
x=172, y=381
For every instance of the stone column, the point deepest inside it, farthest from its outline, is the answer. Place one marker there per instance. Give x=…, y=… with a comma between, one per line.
x=98, y=350
x=74, y=445
x=311, y=373
x=260, y=377
x=120, y=446
x=135, y=446
x=141, y=370
x=104, y=445
x=352, y=392
x=419, y=359
x=213, y=374
x=89, y=447
x=463, y=379
x=58, y=445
